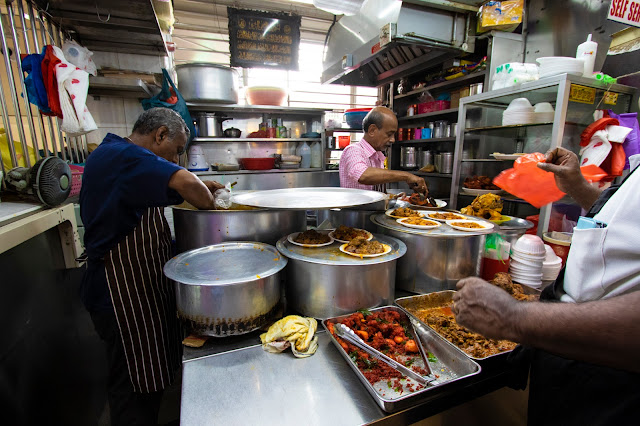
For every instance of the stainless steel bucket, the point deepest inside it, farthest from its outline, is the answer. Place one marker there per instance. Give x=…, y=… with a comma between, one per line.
x=202, y=82
x=199, y=228
x=210, y=125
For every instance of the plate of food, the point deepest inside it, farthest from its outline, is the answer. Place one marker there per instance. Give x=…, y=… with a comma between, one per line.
x=507, y=157
x=310, y=238
x=426, y=202
x=444, y=216
x=469, y=225
x=418, y=223
x=476, y=192
x=344, y=234
x=401, y=212
x=360, y=247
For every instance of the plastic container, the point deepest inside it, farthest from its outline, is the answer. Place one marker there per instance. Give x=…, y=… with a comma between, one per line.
x=265, y=95
x=354, y=117
x=530, y=244
x=560, y=242
x=344, y=141
x=264, y=163
x=587, y=52
x=316, y=154
x=304, y=151
x=76, y=179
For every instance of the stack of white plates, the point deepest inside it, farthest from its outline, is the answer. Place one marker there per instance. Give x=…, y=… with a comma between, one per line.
x=527, y=258
x=544, y=112
x=551, y=266
x=519, y=111
x=554, y=65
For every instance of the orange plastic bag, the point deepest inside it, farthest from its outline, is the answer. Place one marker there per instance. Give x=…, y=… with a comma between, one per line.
x=528, y=182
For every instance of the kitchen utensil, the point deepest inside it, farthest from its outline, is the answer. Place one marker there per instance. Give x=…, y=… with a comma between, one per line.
x=196, y=159
x=530, y=244
x=454, y=224
x=354, y=117
x=265, y=95
x=426, y=158
x=202, y=82
x=471, y=191
x=408, y=157
x=309, y=198
x=369, y=235
x=437, y=258
x=316, y=285
x=403, y=222
x=439, y=128
x=264, y=163
x=560, y=242
x=210, y=124
x=355, y=218
x=343, y=249
x=349, y=335
x=292, y=239
x=198, y=228
x=232, y=132
x=437, y=162
x=447, y=162
x=227, y=289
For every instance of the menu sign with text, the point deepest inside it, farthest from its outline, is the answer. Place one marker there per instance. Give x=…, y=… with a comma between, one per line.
x=263, y=39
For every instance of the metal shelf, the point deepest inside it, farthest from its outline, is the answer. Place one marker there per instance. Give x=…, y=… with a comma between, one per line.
x=257, y=109
x=513, y=126
x=433, y=174
x=345, y=130
x=450, y=111
x=479, y=76
x=120, y=87
x=430, y=140
x=481, y=160
x=206, y=139
x=252, y=172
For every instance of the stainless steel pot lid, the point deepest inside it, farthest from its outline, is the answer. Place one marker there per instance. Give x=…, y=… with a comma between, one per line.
x=331, y=254
x=443, y=231
x=225, y=264
x=308, y=198
x=516, y=223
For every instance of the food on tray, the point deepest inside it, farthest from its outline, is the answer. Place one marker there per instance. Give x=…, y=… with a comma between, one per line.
x=360, y=245
x=417, y=200
x=346, y=233
x=292, y=331
x=503, y=280
x=385, y=331
x=429, y=168
x=405, y=212
x=470, y=225
x=311, y=237
x=446, y=216
x=479, y=182
x=486, y=206
x=419, y=221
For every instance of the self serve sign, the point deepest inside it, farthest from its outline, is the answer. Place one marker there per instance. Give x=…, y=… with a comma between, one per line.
x=625, y=11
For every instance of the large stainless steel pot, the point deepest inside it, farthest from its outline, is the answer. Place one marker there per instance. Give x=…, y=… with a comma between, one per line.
x=323, y=282
x=227, y=289
x=436, y=259
x=210, y=125
x=202, y=82
x=354, y=218
x=198, y=228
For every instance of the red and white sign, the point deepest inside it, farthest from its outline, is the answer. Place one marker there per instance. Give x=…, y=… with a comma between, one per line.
x=625, y=11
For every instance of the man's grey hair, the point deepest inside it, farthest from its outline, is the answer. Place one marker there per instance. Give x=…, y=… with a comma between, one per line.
x=150, y=120
x=375, y=116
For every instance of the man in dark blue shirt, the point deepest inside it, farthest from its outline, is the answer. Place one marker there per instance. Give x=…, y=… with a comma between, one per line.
x=125, y=184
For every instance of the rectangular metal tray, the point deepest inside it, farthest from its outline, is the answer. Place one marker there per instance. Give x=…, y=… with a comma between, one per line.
x=453, y=365
x=441, y=298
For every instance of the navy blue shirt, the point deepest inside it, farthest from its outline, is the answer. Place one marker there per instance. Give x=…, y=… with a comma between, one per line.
x=121, y=181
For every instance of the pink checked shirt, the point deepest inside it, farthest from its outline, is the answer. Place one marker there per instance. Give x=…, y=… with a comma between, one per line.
x=355, y=159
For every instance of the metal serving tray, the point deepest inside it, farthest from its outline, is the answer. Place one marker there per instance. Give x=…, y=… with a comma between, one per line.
x=452, y=366
x=442, y=298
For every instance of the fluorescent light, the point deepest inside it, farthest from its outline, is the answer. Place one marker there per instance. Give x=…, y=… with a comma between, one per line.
x=26, y=16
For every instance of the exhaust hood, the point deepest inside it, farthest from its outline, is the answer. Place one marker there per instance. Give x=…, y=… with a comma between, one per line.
x=388, y=39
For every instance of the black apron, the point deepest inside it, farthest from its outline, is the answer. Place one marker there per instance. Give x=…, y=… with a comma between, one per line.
x=144, y=303
x=568, y=392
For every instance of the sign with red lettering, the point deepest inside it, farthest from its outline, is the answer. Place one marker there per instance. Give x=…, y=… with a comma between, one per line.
x=625, y=11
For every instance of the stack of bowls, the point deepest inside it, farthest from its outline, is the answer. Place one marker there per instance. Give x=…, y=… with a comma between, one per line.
x=527, y=258
x=519, y=111
x=544, y=112
x=554, y=65
x=551, y=266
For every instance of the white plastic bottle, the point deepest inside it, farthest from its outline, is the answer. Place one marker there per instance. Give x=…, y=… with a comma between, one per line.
x=316, y=154
x=587, y=52
x=304, y=151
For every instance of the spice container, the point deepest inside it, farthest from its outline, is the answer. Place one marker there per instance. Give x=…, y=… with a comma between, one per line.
x=447, y=162
x=439, y=128
x=426, y=133
x=411, y=111
x=417, y=133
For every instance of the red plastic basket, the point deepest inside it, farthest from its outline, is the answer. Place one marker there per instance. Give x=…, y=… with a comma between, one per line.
x=426, y=107
x=76, y=179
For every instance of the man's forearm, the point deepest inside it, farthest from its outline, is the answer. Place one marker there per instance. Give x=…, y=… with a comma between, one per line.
x=375, y=176
x=585, y=195
x=192, y=190
x=605, y=332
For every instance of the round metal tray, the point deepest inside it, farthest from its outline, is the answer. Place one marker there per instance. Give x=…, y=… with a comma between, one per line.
x=331, y=254
x=308, y=198
x=516, y=223
x=444, y=231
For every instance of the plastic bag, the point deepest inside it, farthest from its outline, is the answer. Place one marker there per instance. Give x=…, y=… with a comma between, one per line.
x=79, y=56
x=525, y=180
x=631, y=144
x=222, y=197
x=500, y=15
x=160, y=100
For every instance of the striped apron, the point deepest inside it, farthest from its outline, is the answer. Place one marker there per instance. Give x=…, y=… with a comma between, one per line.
x=144, y=303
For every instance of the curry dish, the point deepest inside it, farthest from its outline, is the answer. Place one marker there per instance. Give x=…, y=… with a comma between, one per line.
x=311, y=237
x=346, y=233
x=419, y=221
x=470, y=225
x=446, y=216
x=487, y=206
x=360, y=245
x=405, y=212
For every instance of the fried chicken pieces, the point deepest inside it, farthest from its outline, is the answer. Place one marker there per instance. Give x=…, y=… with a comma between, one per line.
x=360, y=245
x=486, y=206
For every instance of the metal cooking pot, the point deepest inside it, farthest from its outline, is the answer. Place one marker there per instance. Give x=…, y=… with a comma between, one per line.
x=198, y=228
x=323, y=282
x=436, y=260
x=227, y=289
x=210, y=124
x=349, y=217
x=201, y=82
x=232, y=132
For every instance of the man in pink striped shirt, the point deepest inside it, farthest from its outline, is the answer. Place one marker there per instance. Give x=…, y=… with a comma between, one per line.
x=362, y=163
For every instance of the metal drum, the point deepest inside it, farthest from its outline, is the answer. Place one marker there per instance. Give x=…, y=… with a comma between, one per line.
x=436, y=259
x=199, y=228
x=203, y=82
x=324, y=282
x=349, y=217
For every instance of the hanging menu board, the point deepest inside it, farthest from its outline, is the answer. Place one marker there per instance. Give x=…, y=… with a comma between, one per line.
x=263, y=39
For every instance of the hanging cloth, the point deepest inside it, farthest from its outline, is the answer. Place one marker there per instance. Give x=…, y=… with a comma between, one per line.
x=50, y=82
x=36, y=90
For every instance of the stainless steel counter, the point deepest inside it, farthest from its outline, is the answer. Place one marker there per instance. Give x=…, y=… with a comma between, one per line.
x=232, y=381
